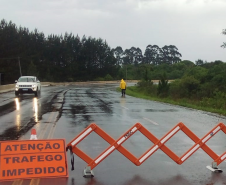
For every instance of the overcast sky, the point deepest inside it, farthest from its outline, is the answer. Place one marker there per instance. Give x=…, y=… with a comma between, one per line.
x=193, y=26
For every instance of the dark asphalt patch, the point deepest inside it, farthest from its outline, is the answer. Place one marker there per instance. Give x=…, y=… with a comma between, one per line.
x=14, y=133
x=161, y=110
x=81, y=112
x=7, y=108
x=103, y=105
x=78, y=111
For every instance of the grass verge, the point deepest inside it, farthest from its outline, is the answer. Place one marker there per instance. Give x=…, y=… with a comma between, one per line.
x=134, y=91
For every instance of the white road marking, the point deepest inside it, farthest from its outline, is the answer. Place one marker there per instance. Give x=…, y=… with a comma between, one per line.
x=151, y=121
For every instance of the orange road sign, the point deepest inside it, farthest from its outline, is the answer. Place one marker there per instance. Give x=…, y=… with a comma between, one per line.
x=27, y=159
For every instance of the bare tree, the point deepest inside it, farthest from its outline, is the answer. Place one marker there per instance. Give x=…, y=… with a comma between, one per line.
x=224, y=43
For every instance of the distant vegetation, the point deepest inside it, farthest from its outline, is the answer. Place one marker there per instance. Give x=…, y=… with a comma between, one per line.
x=71, y=58
x=202, y=87
x=62, y=58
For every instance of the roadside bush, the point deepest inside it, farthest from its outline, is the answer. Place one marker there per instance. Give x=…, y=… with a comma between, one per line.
x=163, y=86
x=189, y=87
x=217, y=102
x=205, y=90
x=199, y=73
x=108, y=77
x=175, y=89
x=176, y=74
x=147, y=87
x=144, y=84
x=219, y=99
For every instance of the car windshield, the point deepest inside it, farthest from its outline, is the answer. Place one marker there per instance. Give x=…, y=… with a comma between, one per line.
x=26, y=79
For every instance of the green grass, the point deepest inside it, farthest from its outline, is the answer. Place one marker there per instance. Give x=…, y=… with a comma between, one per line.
x=135, y=92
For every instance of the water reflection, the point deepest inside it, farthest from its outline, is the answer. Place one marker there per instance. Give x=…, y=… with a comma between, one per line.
x=17, y=103
x=35, y=109
x=123, y=102
x=18, y=120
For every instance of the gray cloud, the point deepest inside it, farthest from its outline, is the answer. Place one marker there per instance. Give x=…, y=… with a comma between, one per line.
x=194, y=26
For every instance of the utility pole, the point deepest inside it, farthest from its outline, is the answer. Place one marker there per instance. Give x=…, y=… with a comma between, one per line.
x=19, y=66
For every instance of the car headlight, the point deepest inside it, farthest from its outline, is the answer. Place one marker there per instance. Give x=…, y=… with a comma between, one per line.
x=17, y=85
x=34, y=85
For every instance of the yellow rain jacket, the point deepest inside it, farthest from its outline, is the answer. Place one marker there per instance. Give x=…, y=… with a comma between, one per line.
x=123, y=84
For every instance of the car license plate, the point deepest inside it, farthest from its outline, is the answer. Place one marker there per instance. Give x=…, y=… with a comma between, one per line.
x=25, y=89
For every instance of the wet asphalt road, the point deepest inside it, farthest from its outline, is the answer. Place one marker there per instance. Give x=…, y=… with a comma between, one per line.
x=65, y=111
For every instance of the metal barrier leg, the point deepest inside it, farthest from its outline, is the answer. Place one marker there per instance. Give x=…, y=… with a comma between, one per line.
x=214, y=168
x=88, y=173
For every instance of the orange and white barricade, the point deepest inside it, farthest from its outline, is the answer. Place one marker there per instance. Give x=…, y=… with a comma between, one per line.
x=157, y=144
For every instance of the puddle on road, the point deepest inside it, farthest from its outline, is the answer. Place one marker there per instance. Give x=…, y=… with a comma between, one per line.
x=19, y=128
x=45, y=105
x=81, y=112
x=38, y=109
x=14, y=133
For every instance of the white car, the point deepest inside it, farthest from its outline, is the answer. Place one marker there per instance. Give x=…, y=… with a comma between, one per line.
x=27, y=85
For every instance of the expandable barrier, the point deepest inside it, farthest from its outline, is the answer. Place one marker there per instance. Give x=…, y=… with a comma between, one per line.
x=158, y=144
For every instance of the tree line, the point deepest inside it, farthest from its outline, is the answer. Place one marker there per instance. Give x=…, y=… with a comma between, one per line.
x=71, y=58
x=202, y=85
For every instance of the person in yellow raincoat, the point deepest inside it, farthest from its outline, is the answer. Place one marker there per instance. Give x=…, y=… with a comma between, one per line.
x=123, y=87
